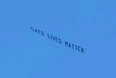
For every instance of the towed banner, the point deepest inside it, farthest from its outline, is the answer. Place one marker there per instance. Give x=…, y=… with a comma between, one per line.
x=58, y=40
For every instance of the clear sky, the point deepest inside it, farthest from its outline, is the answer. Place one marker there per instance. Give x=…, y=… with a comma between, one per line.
x=90, y=24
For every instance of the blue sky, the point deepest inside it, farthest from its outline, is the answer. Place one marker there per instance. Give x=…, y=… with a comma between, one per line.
x=87, y=23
